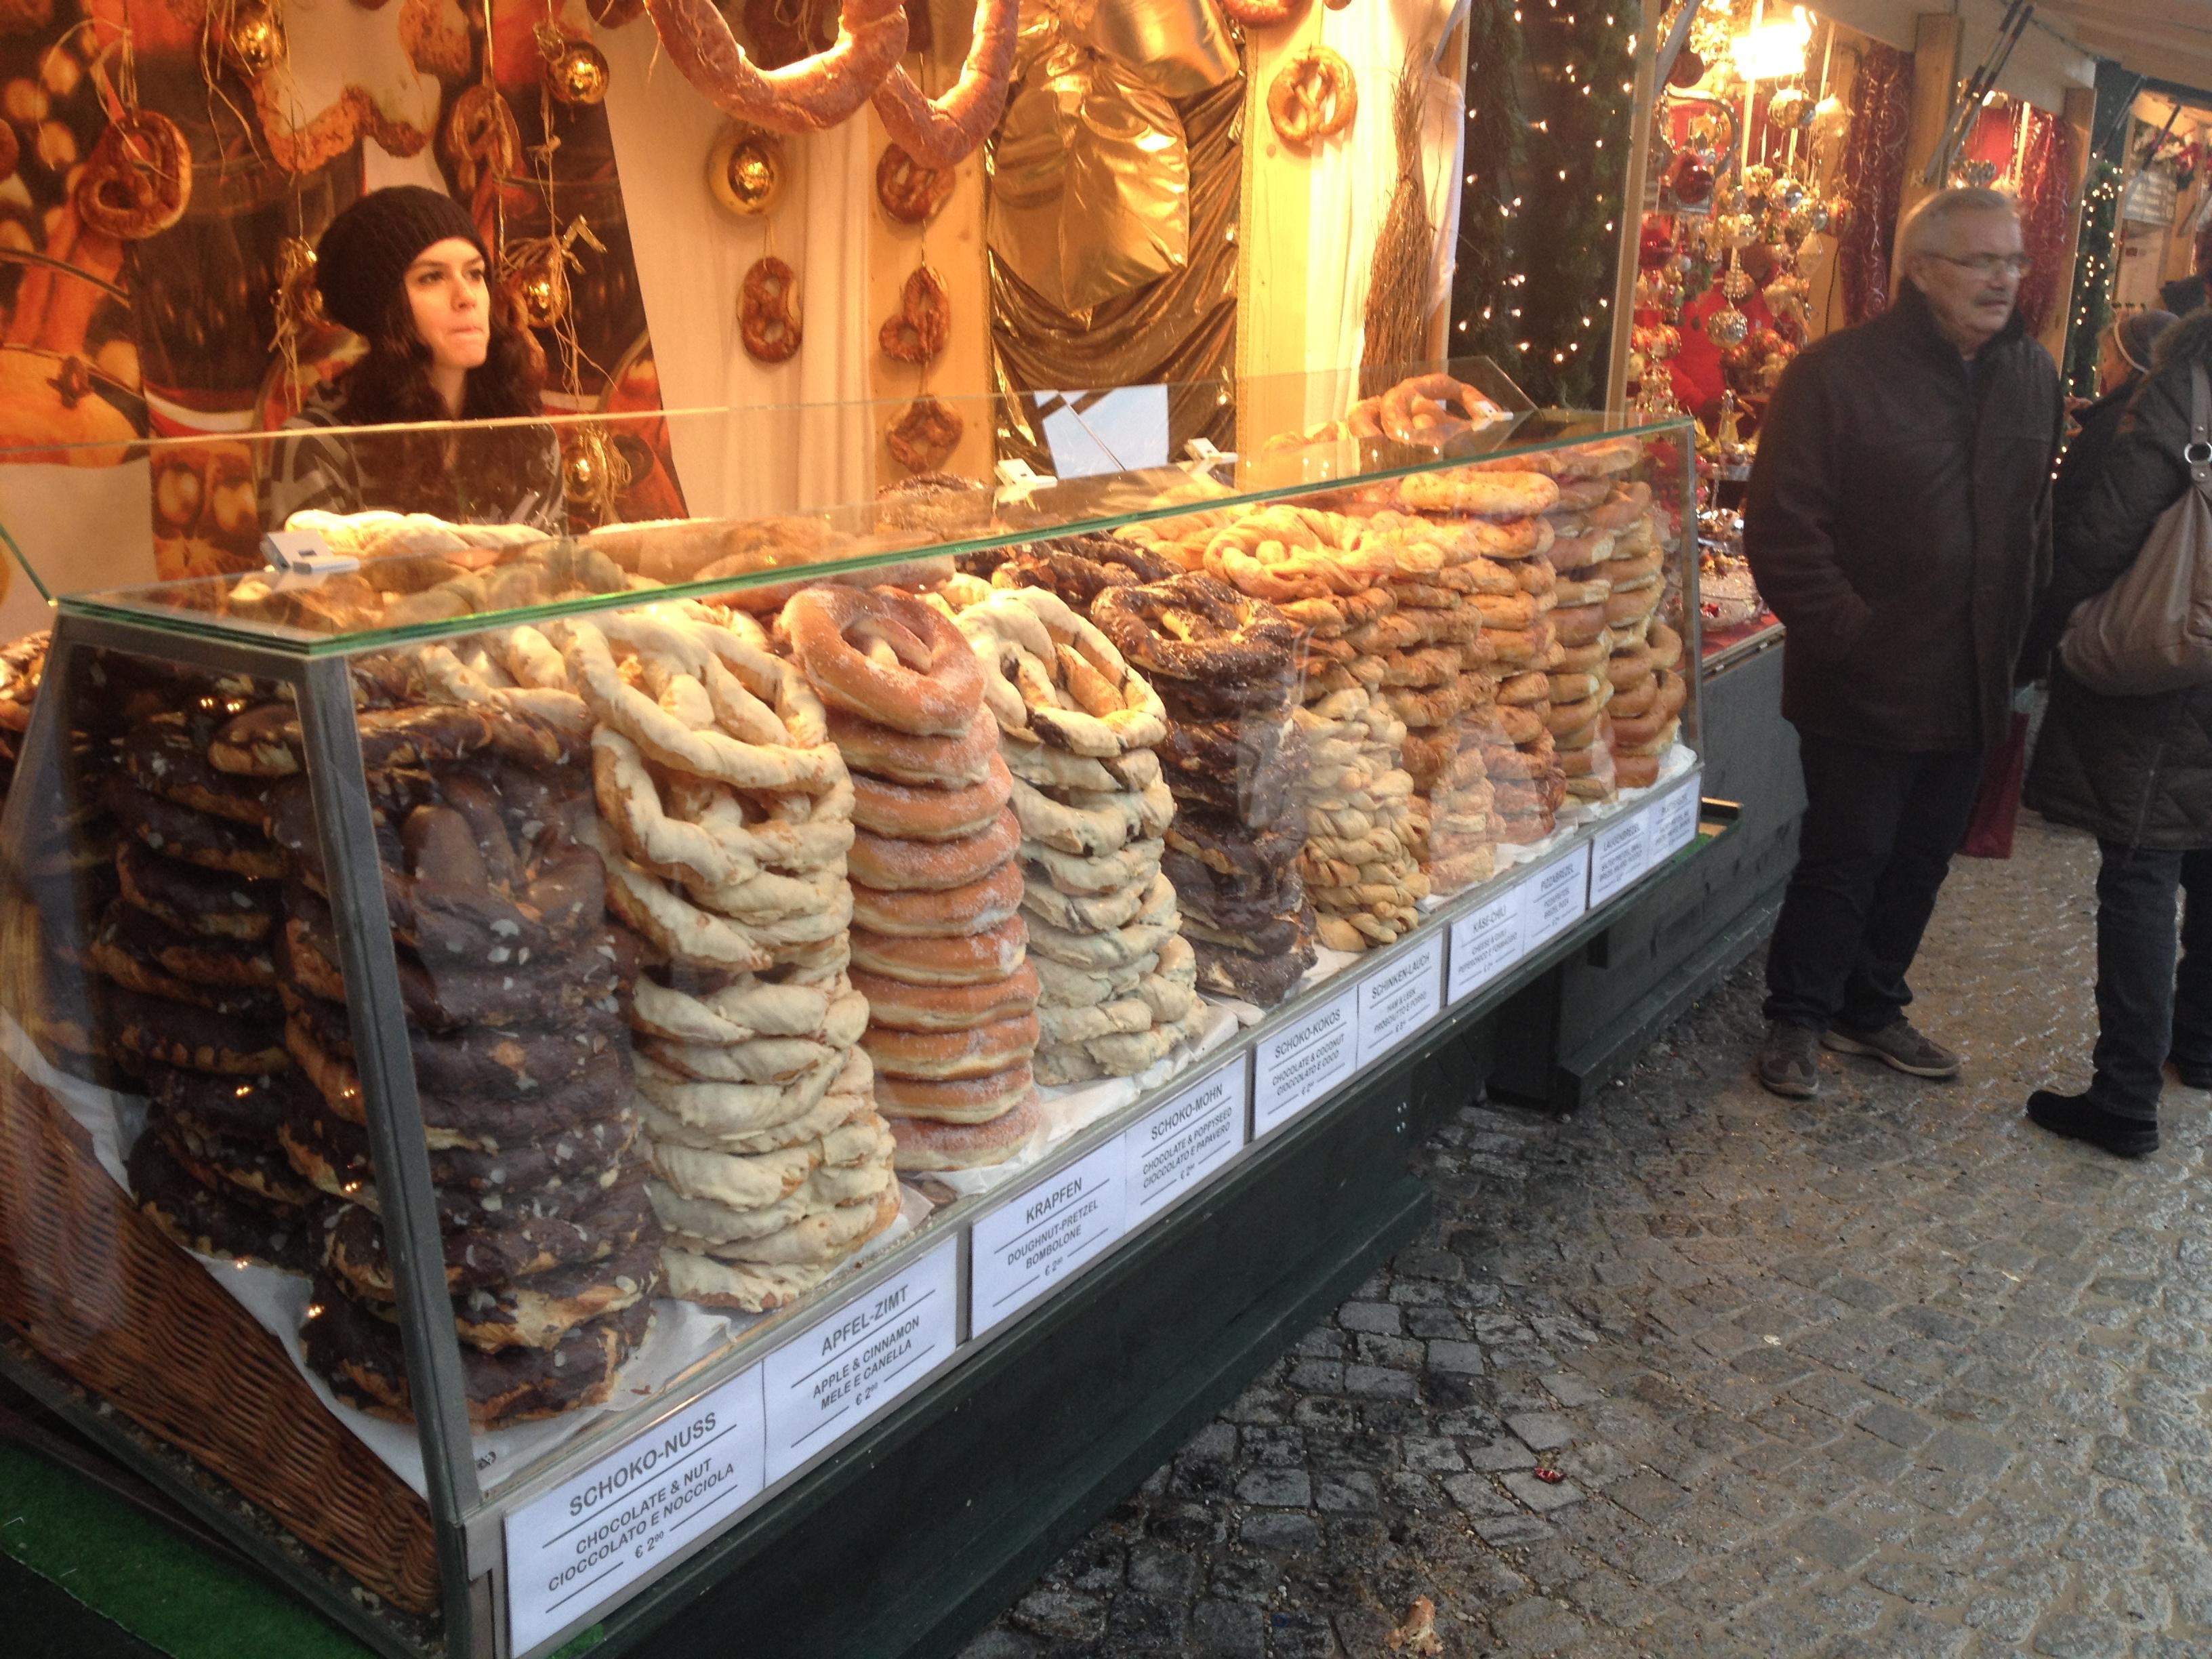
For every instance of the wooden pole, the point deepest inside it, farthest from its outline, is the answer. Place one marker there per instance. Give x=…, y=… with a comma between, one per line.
x=2079, y=114
x=1634, y=172
x=1937, y=41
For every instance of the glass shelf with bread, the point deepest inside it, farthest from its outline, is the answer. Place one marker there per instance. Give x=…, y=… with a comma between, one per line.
x=486, y=982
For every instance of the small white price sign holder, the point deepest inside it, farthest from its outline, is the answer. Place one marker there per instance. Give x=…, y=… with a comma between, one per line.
x=1488, y=940
x=1027, y=1246
x=1620, y=853
x=850, y=1364
x=1178, y=1147
x=1299, y=1063
x=1558, y=893
x=1396, y=1001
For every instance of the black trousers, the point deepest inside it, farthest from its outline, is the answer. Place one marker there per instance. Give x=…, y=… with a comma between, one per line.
x=2146, y=1009
x=1878, y=832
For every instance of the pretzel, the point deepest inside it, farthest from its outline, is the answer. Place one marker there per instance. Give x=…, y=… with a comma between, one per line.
x=924, y=321
x=480, y=134
x=706, y=840
x=737, y=1013
x=1421, y=410
x=137, y=180
x=1060, y=659
x=1090, y=826
x=939, y=131
x=931, y=683
x=1262, y=14
x=1312, y=97
x=1480, y=493
x=689, y=702
x=924, y=438
x=910, y=192
x=811, y=95
x=1197, y=628
x=768, y=311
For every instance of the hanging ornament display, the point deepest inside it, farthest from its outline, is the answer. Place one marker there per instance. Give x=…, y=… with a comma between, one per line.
x=1689, y=68
x=251, y=34
x=535, y=273
x=594, y=471
x=1736, y=284
x=745, y=170
x=1727, y=327
x=576, y=71
x=1691, y=182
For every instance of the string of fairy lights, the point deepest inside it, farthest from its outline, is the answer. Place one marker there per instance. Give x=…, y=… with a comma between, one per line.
x=1540, y=205
x=2094, y=270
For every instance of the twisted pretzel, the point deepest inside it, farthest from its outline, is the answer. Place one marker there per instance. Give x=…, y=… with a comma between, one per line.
x=1197, y=626
x=811, y=95
x=1421, y=410
x=136, y=180
x=1070, y=687
x=939, y=131
x=924, y=321
x=768, y=311
x=1312, y=97
x=1262, y=14
x=910, y=192
x=931, y=683
x=924, y=438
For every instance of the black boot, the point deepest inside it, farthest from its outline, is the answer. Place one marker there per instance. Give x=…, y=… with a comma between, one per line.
x=2192, y=1076
x=2080, y=1118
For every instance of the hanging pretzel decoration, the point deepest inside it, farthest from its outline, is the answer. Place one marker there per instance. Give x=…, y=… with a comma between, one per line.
x=939, y=131
x=811, y=95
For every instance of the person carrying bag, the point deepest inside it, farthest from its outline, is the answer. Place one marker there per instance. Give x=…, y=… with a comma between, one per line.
x=2125, y=751
x=2151, y=631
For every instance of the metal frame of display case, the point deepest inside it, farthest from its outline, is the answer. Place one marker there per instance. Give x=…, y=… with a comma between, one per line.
x=467, y=1521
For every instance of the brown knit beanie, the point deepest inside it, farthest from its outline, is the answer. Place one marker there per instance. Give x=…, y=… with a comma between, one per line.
x=365, y=253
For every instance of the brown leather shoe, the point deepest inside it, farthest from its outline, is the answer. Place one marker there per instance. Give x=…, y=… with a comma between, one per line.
x=1788, y=1062
x=1899, y=1046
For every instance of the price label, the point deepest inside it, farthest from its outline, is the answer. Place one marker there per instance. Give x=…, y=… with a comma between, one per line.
x=845, y=1368
x=1018, y=1252
x=305, y=553
x=578, y=1547
x=1675, y=820
x=1183, y=1143
x=1555, y=896
x=1303, y=1061
x=1618, y=854
x=1398, y=1001
x=1488, y=940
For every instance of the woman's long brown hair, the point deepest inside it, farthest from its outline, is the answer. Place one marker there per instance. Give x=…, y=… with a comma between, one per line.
x=489, y=470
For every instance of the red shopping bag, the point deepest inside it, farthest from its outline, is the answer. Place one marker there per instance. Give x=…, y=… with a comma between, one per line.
x=1996, y=807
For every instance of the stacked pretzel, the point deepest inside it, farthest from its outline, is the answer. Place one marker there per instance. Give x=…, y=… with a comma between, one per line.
x=939, y=946
x=23, y=665
x=1077, y=726
x=1360, y=864
x=511, y=984
x=1490, y=770
x=1225, y=667
x=1605, y=552
x=725, y=817
x=1648, y=714
x=188, y=949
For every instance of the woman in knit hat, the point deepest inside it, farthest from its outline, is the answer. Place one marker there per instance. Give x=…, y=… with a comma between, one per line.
x=405, y=269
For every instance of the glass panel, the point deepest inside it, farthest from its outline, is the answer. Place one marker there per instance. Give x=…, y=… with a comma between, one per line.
x=531, y=513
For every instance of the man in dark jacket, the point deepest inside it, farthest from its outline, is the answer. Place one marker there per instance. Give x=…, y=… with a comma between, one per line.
x=2136, y=773
x=1898, y=524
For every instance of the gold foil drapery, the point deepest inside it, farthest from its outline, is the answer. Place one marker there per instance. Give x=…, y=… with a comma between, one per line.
x=1115, y=183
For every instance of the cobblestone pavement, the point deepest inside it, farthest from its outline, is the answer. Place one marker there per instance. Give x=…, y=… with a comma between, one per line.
x=1892, y=1374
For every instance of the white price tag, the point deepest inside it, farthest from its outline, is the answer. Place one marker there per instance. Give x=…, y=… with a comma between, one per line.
x=1400, y=999
x=1675, y=818
x=1186, y=1140
x=1021, y=1250
x=583, y=1543
x=1488, y=940
x=1618, y=854
x=304, y=552
x=847, y=1367
x=1303, y=1061
x=1555, y=896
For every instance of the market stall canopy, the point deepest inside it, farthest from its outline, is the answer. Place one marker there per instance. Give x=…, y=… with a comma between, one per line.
x=2050, y=56
x=2168, y=41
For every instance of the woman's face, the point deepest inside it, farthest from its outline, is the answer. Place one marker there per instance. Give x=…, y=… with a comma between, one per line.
x=450, y=304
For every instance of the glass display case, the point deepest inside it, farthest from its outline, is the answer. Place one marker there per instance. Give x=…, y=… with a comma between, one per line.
x=524, y=1030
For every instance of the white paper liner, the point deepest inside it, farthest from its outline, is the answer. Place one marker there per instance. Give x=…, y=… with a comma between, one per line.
x=682, y=1335
x=1064, y=1109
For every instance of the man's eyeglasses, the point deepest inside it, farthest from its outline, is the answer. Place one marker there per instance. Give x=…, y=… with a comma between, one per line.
x=1988, y=264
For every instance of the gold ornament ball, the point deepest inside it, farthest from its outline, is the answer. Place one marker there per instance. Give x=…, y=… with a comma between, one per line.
x=578, y=73
x=1726, y=327
x=745, y=171
x=539, y=292
x=255, y=43
x=581, y=472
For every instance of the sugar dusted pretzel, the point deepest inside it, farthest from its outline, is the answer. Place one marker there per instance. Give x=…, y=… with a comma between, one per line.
x=811, y=95
x=939, y=131
x=701, y=836
x=1435, y=410
x=735, y=1013
x=1480, y=493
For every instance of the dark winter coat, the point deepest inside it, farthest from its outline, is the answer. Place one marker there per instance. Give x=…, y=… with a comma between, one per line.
x=1898, y=525
x=2135, y=770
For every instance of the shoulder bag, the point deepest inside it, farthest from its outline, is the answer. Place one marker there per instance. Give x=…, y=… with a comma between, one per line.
x=2151, y=631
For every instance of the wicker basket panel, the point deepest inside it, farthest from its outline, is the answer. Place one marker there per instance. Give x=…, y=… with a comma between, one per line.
x=105, y=1295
